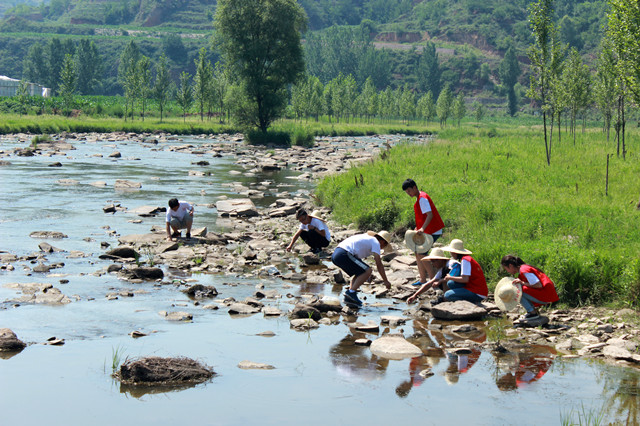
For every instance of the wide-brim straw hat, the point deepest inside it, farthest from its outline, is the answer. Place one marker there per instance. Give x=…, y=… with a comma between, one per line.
x=385, y=236
x=418, y=242
x=437, y=254
x=317, y=214
x=456, y=246
x=507, y=295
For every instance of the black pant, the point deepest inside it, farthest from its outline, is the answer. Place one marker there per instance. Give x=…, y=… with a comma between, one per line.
x=314, y=240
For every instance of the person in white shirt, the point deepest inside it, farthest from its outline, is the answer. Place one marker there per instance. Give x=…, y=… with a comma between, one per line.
x=179, y=216
x=348, y=257
x=313, y=231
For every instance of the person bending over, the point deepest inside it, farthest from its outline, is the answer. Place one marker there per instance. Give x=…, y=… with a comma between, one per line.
x=348, y=257
x=313, y=231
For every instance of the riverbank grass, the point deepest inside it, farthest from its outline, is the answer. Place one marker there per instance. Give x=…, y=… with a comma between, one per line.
x=495, y=191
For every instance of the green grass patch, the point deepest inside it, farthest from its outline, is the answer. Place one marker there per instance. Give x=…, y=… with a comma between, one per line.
x=497, y=194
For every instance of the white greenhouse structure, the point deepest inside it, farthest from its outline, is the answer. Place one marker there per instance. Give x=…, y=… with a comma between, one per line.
x=9, y=87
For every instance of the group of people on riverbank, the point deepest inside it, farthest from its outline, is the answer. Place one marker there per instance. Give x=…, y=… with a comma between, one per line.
x=455, y=277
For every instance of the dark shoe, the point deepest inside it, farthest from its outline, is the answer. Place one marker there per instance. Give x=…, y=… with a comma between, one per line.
x=352, y=299
x=188, y=234
x=316, y=250
x=176, y=234
x=533, y=315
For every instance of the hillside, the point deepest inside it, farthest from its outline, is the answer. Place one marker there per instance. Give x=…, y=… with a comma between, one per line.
x=471, y=36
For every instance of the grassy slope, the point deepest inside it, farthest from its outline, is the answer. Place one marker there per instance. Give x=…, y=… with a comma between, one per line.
x=499, y=196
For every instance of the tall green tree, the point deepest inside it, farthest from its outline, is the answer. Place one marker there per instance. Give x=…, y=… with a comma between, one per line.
x=184, y=95
x=89, y=67
x=128, y=76
x=143, y=82
x=540, y=54
x=623, y=28
x=220, y=86
x=576, y=82
x=605, y=88
x=509, y=72
x=427, y=106
x=459, y=108
x=36, y=68
x=68, y=80
x=260, y=43
x=22, y=96
x=202, y=81
x=407, y=104
x=444, y=105
x=56, y=53
x=428, y=70
x=161, y=92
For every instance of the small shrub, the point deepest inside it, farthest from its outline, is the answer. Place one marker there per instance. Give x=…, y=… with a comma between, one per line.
x=492, y=133
x=381, y=217
x=302, y=137
x=40, y=138
x=256, y=137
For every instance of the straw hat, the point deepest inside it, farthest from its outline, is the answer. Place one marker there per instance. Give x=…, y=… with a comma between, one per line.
x=456, y=246
x=385, y=236
x=418, y=242
x=317, y=214
x=507, y=295
x=437, y=254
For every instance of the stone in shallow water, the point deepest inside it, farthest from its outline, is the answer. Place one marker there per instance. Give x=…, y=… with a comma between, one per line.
x=9, y=342
x=250, y=365
x=47, y=234
x=176, y=316
x=394, y=347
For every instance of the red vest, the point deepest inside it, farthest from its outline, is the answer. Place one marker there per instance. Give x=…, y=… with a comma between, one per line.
x=436, y=223
x=547, y=293
x=477, y=282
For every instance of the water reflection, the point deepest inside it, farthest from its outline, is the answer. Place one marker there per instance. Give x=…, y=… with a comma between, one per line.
x=523, y=366
x=357, y=362
x=622, y=394
x=140, y=391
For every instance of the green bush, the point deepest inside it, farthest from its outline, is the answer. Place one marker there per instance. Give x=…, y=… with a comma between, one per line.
x=302, y=137
x=274, y=138
x=380, y=217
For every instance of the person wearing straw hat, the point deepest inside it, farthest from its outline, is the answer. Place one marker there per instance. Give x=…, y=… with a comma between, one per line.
x=348, y=257
x=471, y=285
x=444, y=266
x=537, y=288
x=428, y=221
x=313, y=231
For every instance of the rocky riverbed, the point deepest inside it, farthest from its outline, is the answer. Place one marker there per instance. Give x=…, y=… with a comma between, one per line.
x=255, y=246
x=239, y=238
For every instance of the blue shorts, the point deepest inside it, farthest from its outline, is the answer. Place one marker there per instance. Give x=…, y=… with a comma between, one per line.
x=349, y=263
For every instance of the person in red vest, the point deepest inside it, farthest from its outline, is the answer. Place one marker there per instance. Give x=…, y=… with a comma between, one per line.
x=428, y=220
x=471, y=285
x=537, y=288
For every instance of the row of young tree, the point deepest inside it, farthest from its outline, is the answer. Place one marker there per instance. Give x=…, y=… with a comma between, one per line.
x=564, y=86
x=341, y=100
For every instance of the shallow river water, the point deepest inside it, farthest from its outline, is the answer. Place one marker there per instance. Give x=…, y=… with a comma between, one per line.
x=321, y=376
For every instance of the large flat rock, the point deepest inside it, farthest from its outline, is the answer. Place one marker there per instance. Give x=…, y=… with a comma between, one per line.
x=459, y=310
x=394, y=347
x=238, y=207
